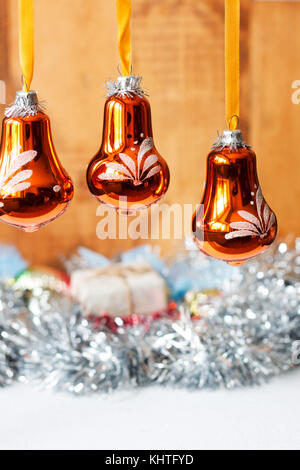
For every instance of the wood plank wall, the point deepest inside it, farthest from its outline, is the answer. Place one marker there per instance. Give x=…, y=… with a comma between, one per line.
x=178, y=48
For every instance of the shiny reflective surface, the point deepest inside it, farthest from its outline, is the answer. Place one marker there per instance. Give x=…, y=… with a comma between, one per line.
x=34, y=187
x=127, y=173
x=234, y=222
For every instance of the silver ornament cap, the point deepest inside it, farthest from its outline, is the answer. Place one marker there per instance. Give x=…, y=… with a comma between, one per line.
x=25, y=104
x=26, y=98
x=125, y=86
x=231, y=139
x=129, y=83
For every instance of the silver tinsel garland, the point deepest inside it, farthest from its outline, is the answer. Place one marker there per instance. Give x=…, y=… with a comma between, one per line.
x=248, y=334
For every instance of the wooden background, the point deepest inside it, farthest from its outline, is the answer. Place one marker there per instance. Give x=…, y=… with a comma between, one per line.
x=178, y=48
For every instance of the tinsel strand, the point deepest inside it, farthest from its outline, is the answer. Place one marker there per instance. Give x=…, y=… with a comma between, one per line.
x=249, y=335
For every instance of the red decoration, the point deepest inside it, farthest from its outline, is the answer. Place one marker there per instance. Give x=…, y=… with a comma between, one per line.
x=34, y=187
x=133, y=320
x=234, y=222
x=127, y=173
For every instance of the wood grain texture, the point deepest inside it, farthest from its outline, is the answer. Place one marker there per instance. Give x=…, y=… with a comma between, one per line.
x=6, y=234
x=275, y=120
x=178, y=47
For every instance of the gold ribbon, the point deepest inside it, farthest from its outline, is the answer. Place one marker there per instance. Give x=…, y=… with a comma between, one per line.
x=26, y=41
x=121, y=270
x=232, y=72
x=124, y=35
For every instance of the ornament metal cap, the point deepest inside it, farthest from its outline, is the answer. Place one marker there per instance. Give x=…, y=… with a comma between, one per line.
x=231, y=139
x=25, y=104
x=129, y=83
x=28, y=98
x=125, y=86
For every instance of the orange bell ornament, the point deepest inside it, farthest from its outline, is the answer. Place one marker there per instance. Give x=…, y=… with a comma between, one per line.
x=34, y=187
x=127, y=173
x=233, y=222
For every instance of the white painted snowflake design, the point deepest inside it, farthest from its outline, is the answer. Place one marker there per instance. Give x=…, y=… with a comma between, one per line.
x=254, y=226
x=131, y=170
x=14, y=180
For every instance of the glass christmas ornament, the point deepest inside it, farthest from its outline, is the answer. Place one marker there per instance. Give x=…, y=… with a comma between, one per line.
x=127, y=173
x=233, y=222
x=34, y=187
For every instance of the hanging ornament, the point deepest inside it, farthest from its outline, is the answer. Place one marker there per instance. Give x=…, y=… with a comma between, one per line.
x=233, y=222
x=127, y=173
x=34, y=187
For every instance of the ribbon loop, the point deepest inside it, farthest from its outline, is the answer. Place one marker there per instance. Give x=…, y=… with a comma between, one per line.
x=232, y=73
x=124, y=34
x=26, y=45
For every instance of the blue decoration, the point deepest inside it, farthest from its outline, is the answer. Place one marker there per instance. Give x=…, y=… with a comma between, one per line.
x=92, y=258
x=145, y=253
x=197, y=272
x=11, y=262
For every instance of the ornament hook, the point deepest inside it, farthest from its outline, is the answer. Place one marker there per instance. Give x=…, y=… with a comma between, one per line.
x=230, y=119
x=120, y=70
x=24, y=82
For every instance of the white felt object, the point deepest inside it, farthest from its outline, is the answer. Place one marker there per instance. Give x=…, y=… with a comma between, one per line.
x=120, y=289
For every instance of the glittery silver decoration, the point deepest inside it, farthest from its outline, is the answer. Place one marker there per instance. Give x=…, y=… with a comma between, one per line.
x=25, y=104
x=10, y=337
x=232, y=139
x=126, y=87
x=245, y=336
